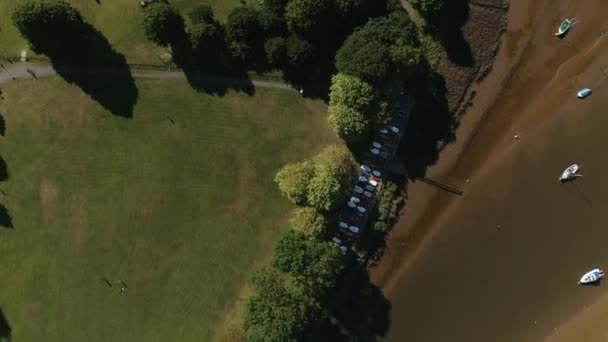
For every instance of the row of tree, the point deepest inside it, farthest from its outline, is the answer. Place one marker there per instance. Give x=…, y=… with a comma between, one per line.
x=289, y=301
x=373, y=63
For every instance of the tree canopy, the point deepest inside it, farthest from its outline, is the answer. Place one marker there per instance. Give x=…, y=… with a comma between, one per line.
x=428, y=7
x=206, y=32
x=244, y=33
x=335, y=171
x=384, y=46
x=280, y=310
x=323, y=182
x=305, y=17
x=293, y=180
x=349, y=124
x=309, y=222
x=46, y=25
x=163, y=24
x=275, y=51
x=315, y=263
x=299, y=51
x=351, y=92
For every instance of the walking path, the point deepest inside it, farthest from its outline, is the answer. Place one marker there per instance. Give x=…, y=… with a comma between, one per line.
x=19, y=70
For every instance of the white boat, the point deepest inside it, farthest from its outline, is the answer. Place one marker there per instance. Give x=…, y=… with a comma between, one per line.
x=570, y=173
x=563, y=27
x=591, y=276
x=583, y=93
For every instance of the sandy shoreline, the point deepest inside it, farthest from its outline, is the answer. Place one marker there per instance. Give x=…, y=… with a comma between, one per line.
x=530, y=61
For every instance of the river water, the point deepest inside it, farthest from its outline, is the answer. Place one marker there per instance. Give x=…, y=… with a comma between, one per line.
x=504, y=262
x=506, y=265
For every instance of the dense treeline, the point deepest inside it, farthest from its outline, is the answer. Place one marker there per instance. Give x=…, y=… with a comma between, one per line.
x=298, y=37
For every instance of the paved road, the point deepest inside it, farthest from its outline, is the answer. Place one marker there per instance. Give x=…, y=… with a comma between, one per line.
x=20, y=71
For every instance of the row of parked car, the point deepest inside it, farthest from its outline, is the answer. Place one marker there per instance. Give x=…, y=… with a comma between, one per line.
x=354, y=217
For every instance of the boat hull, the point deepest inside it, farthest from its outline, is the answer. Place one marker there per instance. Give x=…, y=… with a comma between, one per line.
x=591, y=277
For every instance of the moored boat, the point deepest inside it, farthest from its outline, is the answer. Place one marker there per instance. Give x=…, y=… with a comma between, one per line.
x=563, y=27
x=583, y=93
x=570, y=173
x=591, y=276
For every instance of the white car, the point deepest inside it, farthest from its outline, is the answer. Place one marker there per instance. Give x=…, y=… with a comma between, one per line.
x=361, y=209
x=337, y=241
x=367, y=194
x=352, y=204
x=369, y=188
x=366, y=168
x=354, y=229
x=377, y=173
x=362, y=179
x=374, y=151
x=358, y=189
x=342, y=224
x=384, y=131
x=394, y=129
x=376, y=144
x=373, y=182
x=355, y=199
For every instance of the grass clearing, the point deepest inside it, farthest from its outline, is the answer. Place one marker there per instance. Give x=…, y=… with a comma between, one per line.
x=181, y=212
x=118, y=20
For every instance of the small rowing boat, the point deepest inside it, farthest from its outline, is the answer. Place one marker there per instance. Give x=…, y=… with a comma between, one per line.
x=591, y=276
x=563, y=27
x=570, y=173
x=583, y=93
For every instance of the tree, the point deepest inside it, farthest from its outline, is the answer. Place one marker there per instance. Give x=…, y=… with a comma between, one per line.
x=201, y=13
x=163, y=24
x=315, y=263
x=244, y=33
x=382, y=47
x=293, y=180
x=428, y=7
x=349, y=124
x=49, y=25
x=325, y=192
x=335, y=171
x=205, y=37
x=309, y=222
x=280, y=310
x=275, y=51
x=272, y=24
x=338, y=161
x=351, y=92
x=369, y=60
x=299, y=52
x=305, y=17
x=275, y=6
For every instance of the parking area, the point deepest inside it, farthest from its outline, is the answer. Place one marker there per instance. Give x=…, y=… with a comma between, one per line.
x=353, y=219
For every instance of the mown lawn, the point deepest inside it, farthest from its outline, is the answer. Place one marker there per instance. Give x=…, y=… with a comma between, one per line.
x=118, y=20
x=182, y=212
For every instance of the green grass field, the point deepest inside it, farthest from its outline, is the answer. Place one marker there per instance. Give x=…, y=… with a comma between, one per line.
x=182, y=212
x=118, y=20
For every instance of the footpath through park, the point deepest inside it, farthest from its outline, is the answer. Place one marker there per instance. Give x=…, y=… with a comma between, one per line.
x=26, y=70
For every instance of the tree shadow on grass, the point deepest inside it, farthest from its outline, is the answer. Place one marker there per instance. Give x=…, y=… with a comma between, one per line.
x=84, y=57
x=213, y=74
x=446, y=26
x=3, y=170
x=5, y=328
x=359, y=308
x=5, y=218
x=431, y=126
x=2, y=125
